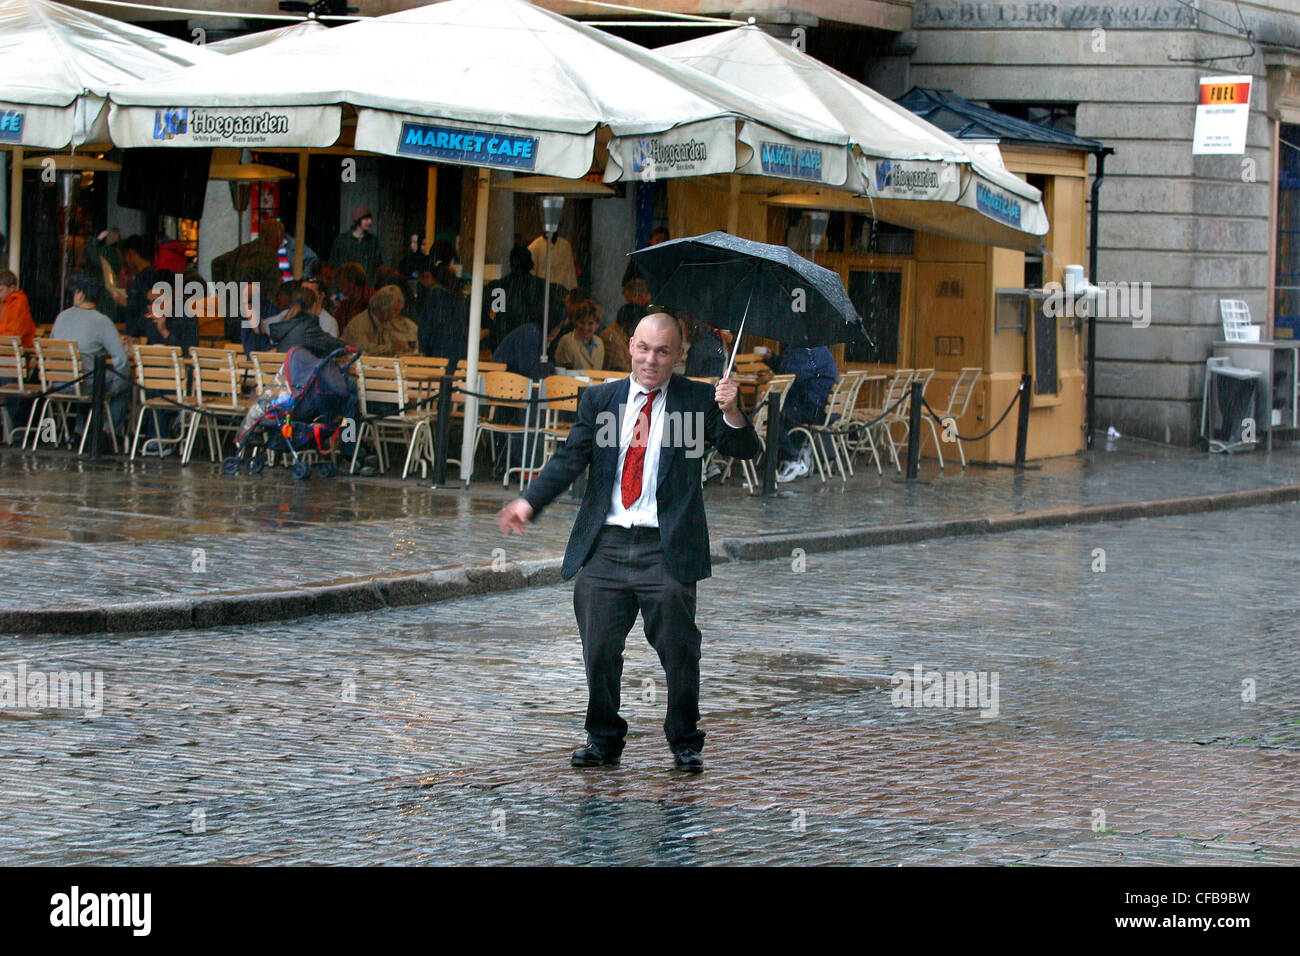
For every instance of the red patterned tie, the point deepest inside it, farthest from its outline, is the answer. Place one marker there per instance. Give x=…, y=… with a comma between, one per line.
x=634, y=462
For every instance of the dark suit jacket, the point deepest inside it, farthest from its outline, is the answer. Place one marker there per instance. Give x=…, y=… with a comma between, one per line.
x=683, y=532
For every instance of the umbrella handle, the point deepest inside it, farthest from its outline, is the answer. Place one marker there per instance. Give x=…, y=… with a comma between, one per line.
x=735, y=346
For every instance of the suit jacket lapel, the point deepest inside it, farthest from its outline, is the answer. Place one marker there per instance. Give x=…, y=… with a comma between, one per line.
x=672, y=403
x=617, y=405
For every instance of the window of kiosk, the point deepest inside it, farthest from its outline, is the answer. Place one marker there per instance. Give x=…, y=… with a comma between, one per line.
x=877, y=294
x=1044, y=355
x=879, y=238
x=798, y=234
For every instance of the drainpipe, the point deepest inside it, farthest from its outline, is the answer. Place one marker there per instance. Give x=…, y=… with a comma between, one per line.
x=1100, y=177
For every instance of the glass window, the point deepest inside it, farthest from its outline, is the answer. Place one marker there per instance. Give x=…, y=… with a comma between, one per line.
x=798, y=233
x=882, y=238
x=1287, y=279
x=877, y=294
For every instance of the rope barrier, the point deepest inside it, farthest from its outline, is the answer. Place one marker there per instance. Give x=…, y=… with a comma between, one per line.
x=63, y=387
x=982, y=435
x=520, y=401
x=224, y=413
x=852, y=426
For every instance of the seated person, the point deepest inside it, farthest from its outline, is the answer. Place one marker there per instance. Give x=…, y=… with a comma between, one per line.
x=637, y=301
x=382, y=329
x=285, y=300
x=443, y=319
x=137, y=256
x=172, y=323
x=256, y=313
x=354, y=292
x=815, y=374
x=301, y=325
x=581, y=348
x=582, y=296
x=521, y=349
x=15, y=310
x=15, y=319
x=94, y=333
x=618, y=358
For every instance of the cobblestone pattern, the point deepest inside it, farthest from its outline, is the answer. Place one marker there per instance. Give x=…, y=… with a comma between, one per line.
x=441, y=734
x=72, y=531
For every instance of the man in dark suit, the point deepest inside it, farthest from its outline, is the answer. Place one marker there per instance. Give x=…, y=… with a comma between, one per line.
x=640, y=538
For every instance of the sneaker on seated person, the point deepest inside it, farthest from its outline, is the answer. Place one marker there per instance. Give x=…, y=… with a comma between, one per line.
x=791, y=470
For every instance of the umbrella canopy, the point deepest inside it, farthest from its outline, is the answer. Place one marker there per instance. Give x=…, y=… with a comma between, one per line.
x=748, y=286
x=57, y=65
x=899, y=158
x=251, y=41
x=489, y=83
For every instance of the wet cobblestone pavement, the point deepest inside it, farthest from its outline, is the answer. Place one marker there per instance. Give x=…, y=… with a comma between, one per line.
x=76, y=532
x=441, y=734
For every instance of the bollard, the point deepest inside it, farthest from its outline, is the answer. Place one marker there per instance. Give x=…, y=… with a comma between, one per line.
x=444, y=430
x=773, y=441
x=97, y=404
x=1022, y=419
x=914, y=433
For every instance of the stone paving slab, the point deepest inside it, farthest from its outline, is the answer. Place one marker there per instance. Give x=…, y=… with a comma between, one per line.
x=441, y=733
x=143, y=542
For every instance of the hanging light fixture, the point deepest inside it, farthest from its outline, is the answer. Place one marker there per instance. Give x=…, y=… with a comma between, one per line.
x=817, y=220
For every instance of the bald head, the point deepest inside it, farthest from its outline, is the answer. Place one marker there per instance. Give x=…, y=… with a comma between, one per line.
x=662, y=321
x=655, y=347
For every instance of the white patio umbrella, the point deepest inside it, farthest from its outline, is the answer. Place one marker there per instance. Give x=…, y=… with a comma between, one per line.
x=251, y=41
x=912, y=172
x=488, y=83
x=56, y=66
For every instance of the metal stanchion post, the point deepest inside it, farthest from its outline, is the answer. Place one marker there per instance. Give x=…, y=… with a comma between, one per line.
x=444, y=431
x=1022, y=423
x=914, y=433
x=97, y=404
x=772, y=438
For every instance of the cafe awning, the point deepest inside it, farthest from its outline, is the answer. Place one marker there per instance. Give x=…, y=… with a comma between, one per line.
x=906, y=169
x=58, y=63
x=491, y=83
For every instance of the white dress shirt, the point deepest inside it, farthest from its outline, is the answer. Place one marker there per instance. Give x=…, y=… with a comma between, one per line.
x=644, y=512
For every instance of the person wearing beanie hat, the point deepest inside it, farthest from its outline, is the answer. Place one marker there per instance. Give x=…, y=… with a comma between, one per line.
x=358, y=244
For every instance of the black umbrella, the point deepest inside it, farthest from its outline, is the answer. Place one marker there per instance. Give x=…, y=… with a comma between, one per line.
x=753, y=287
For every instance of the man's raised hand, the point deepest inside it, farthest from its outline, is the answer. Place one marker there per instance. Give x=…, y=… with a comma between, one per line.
x=512, y=518
x=725, y=393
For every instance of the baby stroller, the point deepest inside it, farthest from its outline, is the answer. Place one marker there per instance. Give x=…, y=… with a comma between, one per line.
x=300, y=416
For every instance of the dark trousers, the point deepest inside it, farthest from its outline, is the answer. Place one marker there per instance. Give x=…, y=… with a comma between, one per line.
x=626, y=573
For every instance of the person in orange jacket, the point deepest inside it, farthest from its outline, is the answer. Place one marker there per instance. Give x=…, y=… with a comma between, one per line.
x=15, y=311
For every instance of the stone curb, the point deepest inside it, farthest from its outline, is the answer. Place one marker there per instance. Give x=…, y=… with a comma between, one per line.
x=350, y=595
x=764, y=547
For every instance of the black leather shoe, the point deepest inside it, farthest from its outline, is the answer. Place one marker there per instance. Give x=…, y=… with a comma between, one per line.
x=593, y=756
x=688, y=760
